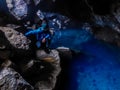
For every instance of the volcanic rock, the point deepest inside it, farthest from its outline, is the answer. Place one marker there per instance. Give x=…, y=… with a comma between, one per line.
x=17, y=8
x=54, y=60
x=16, y=39
x=11, y=80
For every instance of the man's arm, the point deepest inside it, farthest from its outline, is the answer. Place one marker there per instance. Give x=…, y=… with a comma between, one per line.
x=39, y=30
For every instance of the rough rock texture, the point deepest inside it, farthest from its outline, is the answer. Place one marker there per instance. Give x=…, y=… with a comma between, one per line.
x=107, y=34
x=57, y=21
x=107, y=21
x=41, y=69
x=13, y=26
x=66, y=56
x=17, y=8
x=37, y=1
x=41, y=72
x=106, y=27
x=16, y=39
x=54, y=60
x=115, y=10
x=104, y=22
x=11, y=80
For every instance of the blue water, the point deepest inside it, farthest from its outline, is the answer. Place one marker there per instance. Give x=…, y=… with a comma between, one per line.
x=98, y=68
x=71, y=38
x=3, y=6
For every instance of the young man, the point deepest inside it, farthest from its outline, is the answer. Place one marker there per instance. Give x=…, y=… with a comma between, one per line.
x=43, y=35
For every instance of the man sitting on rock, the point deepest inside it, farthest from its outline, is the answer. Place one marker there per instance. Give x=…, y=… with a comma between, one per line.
x=43, y=35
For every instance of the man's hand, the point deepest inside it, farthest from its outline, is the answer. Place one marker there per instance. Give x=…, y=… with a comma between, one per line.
x=43, y=40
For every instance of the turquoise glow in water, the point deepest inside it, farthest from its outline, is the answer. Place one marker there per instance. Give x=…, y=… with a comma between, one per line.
x=71, y=38
x=98, y=68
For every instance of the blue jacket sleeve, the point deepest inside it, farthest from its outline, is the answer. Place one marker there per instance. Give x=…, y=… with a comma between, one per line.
x=39, y=30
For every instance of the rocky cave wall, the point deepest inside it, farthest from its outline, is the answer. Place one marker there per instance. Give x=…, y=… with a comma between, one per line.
x=21, y=61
